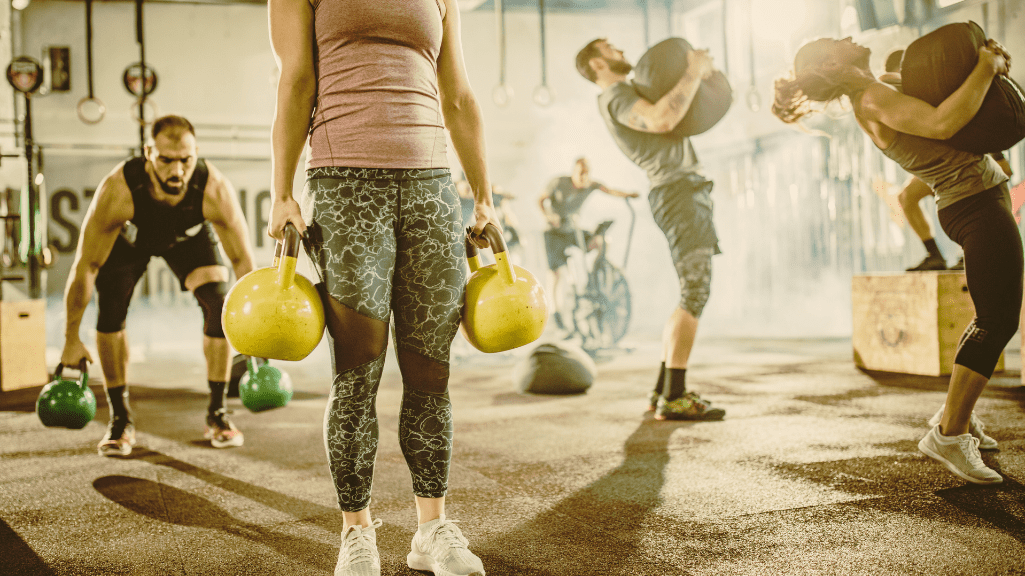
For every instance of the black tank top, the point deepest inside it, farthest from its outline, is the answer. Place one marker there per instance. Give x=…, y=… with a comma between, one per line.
x=157, y=227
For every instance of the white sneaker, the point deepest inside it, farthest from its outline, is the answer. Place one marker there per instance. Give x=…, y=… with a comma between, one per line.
x=358, y=555
x=960, y=454
x=975, y=428
x=440, y=547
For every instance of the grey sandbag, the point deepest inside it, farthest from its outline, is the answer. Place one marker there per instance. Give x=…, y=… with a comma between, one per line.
x=662, y=66
x=935, y=66
x=552, y=368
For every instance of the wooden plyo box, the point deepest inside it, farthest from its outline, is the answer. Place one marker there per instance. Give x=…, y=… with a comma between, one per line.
x=22, y=344
x=910, y=322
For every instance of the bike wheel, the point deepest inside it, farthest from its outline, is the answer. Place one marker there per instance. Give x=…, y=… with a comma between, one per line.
x=610, y=296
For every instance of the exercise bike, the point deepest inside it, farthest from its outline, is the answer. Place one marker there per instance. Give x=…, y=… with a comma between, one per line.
x=596, y=294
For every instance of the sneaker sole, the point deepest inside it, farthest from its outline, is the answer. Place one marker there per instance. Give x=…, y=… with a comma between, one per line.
x=994, y=446
x=924, y=448
x=684, y=419
x=233, y=443
x=115, y=451
x=425, y=563
x=713, y=415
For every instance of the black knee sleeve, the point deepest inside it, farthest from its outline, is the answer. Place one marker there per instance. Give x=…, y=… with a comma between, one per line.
x=983, y=341
x=211, y=299
x=113, y=295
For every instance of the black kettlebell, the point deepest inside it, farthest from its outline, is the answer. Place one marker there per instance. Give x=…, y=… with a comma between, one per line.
x=65, y=402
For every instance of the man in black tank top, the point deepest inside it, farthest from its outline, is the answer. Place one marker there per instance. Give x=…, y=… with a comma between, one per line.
x=171, y=204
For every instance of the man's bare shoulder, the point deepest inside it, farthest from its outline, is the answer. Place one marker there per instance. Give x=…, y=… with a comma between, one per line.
x=216, y=182
x=113, y=199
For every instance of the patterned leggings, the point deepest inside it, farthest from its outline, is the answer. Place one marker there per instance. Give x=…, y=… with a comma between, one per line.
x=390, y=245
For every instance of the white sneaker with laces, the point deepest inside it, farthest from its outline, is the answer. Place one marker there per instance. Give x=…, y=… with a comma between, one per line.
x=975, y=428
x=960, y=454
x=358, y=555
x=440, y=547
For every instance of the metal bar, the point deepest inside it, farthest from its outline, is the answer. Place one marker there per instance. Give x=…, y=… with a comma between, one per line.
x=140, y=38
x=34, y=269
x=544, y=69
x=89, y=43
x=647, y=24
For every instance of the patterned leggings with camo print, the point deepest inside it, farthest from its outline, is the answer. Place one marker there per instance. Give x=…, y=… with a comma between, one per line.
x=390, y=245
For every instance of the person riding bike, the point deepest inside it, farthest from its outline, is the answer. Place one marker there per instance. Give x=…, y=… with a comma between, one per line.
x=560, y=203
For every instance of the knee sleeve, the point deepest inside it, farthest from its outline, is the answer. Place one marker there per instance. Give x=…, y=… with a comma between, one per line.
x=112, y=298
x=695, y=271
x=425, y=436
x=983, y=342
x=211, y=300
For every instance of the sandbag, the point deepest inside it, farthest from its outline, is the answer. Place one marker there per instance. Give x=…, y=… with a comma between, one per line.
x=552, y=368
x=936, y=65
x=662, y=66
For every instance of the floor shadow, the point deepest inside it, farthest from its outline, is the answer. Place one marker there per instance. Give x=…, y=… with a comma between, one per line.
x=514, y=398
x=894, y=383
x=19, y=559
x=1002, y=505
x=896, y=483
x=175, y=506
x=325, y=517
x=24, y=400
x=597, y=528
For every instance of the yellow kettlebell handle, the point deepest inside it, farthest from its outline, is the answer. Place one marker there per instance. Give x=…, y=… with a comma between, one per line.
x=498, y=248
x=289, y=256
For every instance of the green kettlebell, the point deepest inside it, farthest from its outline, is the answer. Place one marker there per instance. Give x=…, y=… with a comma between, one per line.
x=66, y=402
x=263, y=386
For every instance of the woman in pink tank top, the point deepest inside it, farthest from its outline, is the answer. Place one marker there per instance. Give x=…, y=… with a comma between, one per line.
x=372, y=86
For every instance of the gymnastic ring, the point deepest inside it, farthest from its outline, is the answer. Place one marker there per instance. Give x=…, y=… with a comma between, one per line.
x=155, y=111
x=543, y=95
x=83, y=103
x=502, y=95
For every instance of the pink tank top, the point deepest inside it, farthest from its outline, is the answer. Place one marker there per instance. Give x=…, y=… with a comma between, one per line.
x=378, y=104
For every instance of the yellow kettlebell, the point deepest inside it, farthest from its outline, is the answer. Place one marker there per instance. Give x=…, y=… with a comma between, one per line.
x=273, y=312
x=505, y=305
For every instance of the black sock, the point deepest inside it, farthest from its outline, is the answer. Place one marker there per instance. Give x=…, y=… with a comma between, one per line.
x=660, y=385
x=676, y=379
x=218, y=396
x=932, y=248
x=117, y=399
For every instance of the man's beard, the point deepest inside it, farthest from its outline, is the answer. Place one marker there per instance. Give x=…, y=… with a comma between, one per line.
x=621, y=67
x=172, y=189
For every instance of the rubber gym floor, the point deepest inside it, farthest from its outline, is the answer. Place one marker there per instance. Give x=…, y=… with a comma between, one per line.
x=815, y=470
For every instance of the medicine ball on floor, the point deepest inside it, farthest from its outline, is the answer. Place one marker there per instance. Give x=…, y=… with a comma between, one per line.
x=555, y=368
x=936, y=65
x=662, y=66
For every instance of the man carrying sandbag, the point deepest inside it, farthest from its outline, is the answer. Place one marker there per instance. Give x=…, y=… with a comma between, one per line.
x=680, y=202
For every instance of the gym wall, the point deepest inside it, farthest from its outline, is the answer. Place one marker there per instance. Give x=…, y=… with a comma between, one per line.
x=797, y=215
